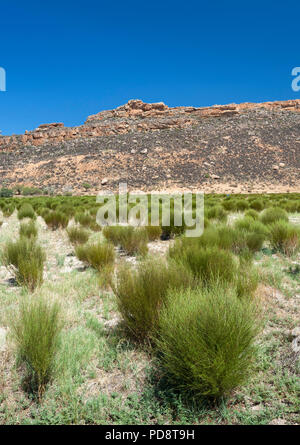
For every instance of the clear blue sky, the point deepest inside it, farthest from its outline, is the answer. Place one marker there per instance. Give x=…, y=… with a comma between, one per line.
x=65, y=60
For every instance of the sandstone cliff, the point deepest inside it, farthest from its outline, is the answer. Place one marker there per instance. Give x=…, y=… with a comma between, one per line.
x=230, y=148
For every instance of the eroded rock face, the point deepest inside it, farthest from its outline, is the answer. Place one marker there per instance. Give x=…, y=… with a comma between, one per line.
x=225, y=148
x=134, y=116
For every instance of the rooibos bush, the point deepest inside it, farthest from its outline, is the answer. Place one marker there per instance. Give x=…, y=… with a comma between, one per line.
x=206, y=340
x=26, y=260
x=77, y=235
x=56, y=220
x=273, y=214
x=36, y=330
x=26, y=211
x=141, y=293
x=284, y=237
x=97, y=255
x=132, y=240
x=29, y=230
x=153, y=232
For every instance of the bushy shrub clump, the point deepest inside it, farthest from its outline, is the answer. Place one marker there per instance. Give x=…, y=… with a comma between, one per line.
x=212, y=264
x=273, y=214
x=242, y=205
x=284, y=237
x=36, y=330
x=26, y=260
x=26, y=211
x=153, y=232
x=257, y=204
x=251, y=213
x=84, y=219
x=8, y=210
x=6, y=193
x=217, y=212
x=206, y=339
x=141, y=293
x=97, y=255
x=132, y=240
x=56, y=220
x=29, y=230
x=292, y=206
x=77, y=235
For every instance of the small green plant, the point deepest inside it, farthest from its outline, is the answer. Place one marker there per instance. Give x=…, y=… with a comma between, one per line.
x=84, y=219
x=251, y=213
x=26, y=260
x=29, y=230
x=284, y=237
x=56, y=220
x=97, y=255
x=153, y=232
x=273, y=214
x=218, y=213
x=206, y=340
x=242, y=205
x=6, y=193
x=77, y=235
x=8, y=210
x=257, y=204
x=132, y=240
x=141, y=293
x=36, y=330
x=26, y=211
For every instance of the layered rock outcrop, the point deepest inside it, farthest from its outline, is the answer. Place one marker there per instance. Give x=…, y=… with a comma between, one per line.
x=134, y=116
x=225, y=148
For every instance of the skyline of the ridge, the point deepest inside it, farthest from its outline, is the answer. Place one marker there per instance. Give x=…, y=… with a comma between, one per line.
x=76, y=59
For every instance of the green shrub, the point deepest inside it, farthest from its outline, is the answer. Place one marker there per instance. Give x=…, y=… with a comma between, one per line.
x=29, y=230
x=284, y=237
x=217, y=212
x=96, y=255
x=27, y=191
x=1, y=222
x=206, y=340
x=251, y=214
x=273, y=214
x=242, y=205
x=153, y=232
x=26, y=260
x=8, y=210
x=210, y=264
x=229, y=205
x=35, y=331
x=141, y=293
x=257, y=204
x=26, y=211
x=112, y=234
x=6, y=193
x=292, y=206
x=132, y=240
x=78, y=235
x=172, y=230
x=84, y=219
x=56, y=220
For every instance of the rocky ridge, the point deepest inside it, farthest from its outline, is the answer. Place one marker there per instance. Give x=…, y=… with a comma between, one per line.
x=231, y=148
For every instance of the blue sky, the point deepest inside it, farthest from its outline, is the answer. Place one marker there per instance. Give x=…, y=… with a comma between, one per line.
x=65, y=60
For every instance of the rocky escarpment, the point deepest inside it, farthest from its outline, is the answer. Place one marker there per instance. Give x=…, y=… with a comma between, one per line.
x=245, y=147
